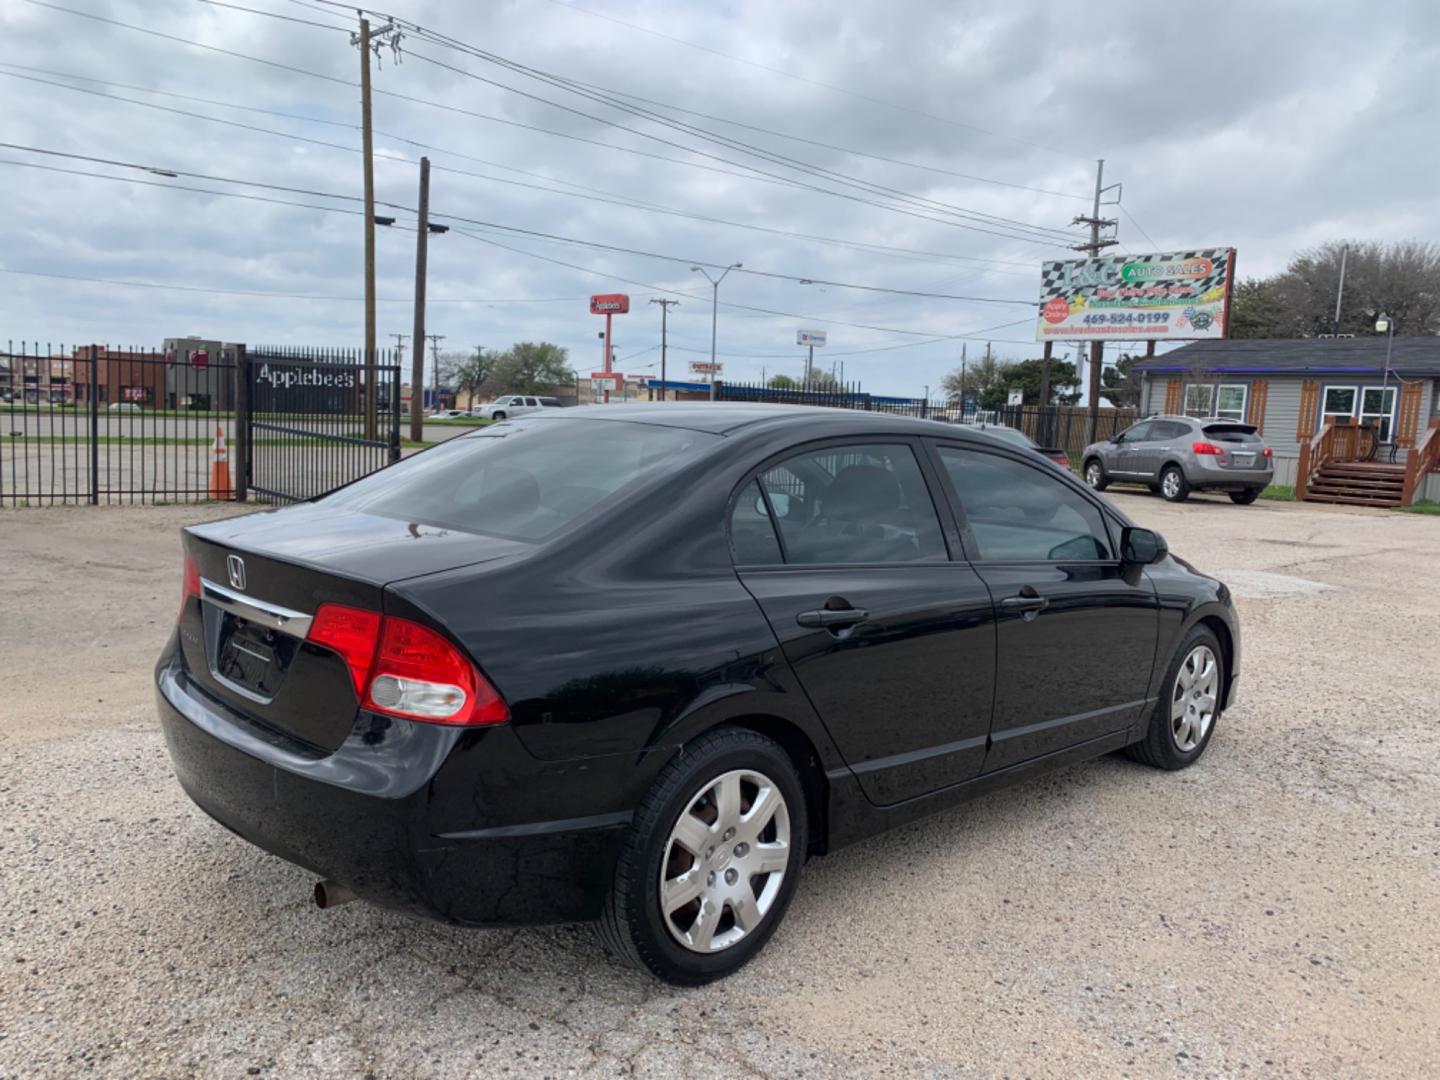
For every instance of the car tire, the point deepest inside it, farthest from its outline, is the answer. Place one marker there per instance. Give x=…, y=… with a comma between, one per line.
x=497, y=416
x=1246, y=497
x=1180, y=728
x=1094, y=475
x=670, y=945
x=1173, y=485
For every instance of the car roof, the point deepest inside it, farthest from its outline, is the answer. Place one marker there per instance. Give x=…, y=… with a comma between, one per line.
x=727, y=418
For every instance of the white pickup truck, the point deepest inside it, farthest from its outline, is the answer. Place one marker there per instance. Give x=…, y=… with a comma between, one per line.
x=508, y=405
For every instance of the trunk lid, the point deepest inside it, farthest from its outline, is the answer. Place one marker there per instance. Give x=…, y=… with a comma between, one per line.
x=1241, y=447
x=263, y=577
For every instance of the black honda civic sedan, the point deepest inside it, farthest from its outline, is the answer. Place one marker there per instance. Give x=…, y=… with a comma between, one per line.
x=635, y=664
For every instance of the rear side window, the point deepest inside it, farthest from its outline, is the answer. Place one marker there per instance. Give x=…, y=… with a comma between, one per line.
x=752, y=534
x=1169, y=429
x=552, y=402
x=523, y=479
x=855, y=504
x=1016, y=513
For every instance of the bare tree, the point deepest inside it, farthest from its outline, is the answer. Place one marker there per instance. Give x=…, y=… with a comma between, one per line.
x=1401, y=279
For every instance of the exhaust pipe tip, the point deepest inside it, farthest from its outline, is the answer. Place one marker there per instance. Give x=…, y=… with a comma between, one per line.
x=328, y=895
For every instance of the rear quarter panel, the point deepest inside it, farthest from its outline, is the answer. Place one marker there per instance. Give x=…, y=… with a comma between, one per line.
x=631, y=635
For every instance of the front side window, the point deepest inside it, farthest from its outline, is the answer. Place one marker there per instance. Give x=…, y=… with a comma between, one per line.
x=1016, y=513
x=866, y=503
x=1139, y=433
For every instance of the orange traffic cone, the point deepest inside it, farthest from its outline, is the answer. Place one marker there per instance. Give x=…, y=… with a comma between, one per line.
x=220, y=469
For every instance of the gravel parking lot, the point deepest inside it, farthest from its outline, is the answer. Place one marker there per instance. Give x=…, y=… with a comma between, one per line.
x=1271, y=912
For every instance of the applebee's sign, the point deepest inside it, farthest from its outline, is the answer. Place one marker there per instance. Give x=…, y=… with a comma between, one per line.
x=283, y=378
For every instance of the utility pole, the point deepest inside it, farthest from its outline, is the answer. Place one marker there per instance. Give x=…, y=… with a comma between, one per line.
x=665, y=306
x=962, y=381
x=368, y=154
x=1340, y=292
x=435, y=340
x=422, y=249
x=1094, y=247
x=367, y=42
x=400, y=346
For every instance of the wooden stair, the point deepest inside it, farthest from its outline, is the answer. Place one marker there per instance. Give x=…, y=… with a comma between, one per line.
x=1358, y=483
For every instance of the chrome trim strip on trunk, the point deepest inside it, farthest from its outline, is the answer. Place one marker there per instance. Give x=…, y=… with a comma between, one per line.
x=273, y=616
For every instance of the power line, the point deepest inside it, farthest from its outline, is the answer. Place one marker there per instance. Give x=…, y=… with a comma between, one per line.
x=1153, y=245
x=1035, y=234
x=812, y=82
x=289, y=296
x=775, y=275
x=276, y=15
x=752, y=173
x=1042, y=234
x=590, y=193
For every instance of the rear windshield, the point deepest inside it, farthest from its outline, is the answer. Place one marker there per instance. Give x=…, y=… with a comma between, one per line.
x=1232, y=433
x=523, y=479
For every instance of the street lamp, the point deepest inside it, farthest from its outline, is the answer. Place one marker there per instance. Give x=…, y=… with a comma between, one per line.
x=1384, y=325
x=714, y=305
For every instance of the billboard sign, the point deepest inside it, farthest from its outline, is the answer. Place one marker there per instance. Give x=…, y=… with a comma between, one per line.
x=810, y=337
x=610, y=304
x=705, y=367
x=1174, y=295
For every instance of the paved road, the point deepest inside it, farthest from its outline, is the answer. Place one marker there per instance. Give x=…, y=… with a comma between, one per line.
x=1268, y=913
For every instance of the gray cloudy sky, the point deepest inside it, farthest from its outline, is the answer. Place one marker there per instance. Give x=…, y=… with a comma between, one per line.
x=1267, y=126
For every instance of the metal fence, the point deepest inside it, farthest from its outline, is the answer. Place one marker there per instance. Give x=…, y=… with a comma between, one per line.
x=1065, y=427
x=310, y=422
x=98, y=424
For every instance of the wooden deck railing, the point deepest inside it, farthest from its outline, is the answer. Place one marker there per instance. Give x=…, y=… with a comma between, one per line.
x=1422, y=459
x=1313, y=457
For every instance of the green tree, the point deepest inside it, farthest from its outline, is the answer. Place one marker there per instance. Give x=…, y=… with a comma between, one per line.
x=1401, y=279
x=1026, y=376
x=475, y=372
x=974, y=380
x=1120, y=384
x=782, y=382
x=527, y=367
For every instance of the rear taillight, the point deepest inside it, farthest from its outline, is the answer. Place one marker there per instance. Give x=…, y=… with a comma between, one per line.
x=1063, y=460
x=190, y=586
x=1207, y=448
x=1267, y=452
x=404, y=669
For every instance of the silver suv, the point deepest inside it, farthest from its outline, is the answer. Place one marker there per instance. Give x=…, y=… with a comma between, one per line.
x=1176, y=455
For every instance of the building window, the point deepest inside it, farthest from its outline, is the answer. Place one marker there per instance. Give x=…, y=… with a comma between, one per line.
x=1230, y=402
x=1377, y=406
x=1338, y=401
x=1198, y=399
x=1224, y=401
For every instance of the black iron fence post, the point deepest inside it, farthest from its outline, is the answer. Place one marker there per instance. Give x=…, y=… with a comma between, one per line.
x=240, y=395
x=94, y=426
x=715, y=389
x=395, y=416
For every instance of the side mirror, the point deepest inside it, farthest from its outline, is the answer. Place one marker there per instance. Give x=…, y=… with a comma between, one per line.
x=1142, y=546
x=1116, y=439
x=779, y=500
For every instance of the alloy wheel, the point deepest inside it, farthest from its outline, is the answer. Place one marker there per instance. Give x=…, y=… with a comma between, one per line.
x=1194, y=698
x=1092, y=474
x=724, y=862
x=1171, y=484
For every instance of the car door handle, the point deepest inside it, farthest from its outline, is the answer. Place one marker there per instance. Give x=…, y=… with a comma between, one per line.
x=1025, y=602
x=829, y=619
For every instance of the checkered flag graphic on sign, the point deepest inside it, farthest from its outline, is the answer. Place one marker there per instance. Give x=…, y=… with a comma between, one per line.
x=1052, y=274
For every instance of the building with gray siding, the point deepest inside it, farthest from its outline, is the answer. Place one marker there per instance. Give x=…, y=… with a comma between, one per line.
x=1290, y=388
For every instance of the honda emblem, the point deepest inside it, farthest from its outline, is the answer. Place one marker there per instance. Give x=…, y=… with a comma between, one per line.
x=236, y=568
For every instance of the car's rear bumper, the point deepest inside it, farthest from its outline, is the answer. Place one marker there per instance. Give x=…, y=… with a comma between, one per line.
x=1207, y=472
x=426, y=819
